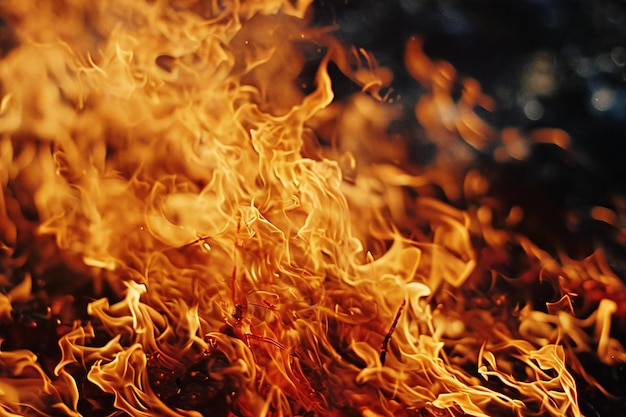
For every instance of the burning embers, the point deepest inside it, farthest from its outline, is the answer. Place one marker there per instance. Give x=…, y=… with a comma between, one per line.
x=189, y=228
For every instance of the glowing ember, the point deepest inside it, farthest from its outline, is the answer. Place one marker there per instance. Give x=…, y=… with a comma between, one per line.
x=191, y=224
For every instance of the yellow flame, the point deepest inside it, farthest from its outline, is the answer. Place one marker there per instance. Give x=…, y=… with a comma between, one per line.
x=165, y=152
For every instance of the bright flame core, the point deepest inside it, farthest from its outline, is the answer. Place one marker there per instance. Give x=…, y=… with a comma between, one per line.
x=166, y=154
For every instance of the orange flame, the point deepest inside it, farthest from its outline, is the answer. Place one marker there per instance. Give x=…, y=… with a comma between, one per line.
x=163, y=158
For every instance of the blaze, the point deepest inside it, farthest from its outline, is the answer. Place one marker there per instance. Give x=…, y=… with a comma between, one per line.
x=192, y=224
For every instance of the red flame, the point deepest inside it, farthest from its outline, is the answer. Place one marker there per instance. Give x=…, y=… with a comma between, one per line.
x=188, y=230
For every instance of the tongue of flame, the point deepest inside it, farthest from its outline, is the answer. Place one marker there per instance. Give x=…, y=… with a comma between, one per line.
x=162, y=158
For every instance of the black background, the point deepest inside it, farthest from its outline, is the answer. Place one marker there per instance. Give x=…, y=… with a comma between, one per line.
x=492, y=41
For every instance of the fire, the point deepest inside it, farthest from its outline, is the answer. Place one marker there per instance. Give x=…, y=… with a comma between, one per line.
x=191, y=224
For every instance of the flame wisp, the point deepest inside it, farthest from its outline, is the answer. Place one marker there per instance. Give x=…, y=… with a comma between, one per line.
x=190, y=225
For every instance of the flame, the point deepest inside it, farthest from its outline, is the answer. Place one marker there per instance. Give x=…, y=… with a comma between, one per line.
x=245, y=245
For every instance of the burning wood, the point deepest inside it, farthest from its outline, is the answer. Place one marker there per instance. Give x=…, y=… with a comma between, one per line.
x=191, y=223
